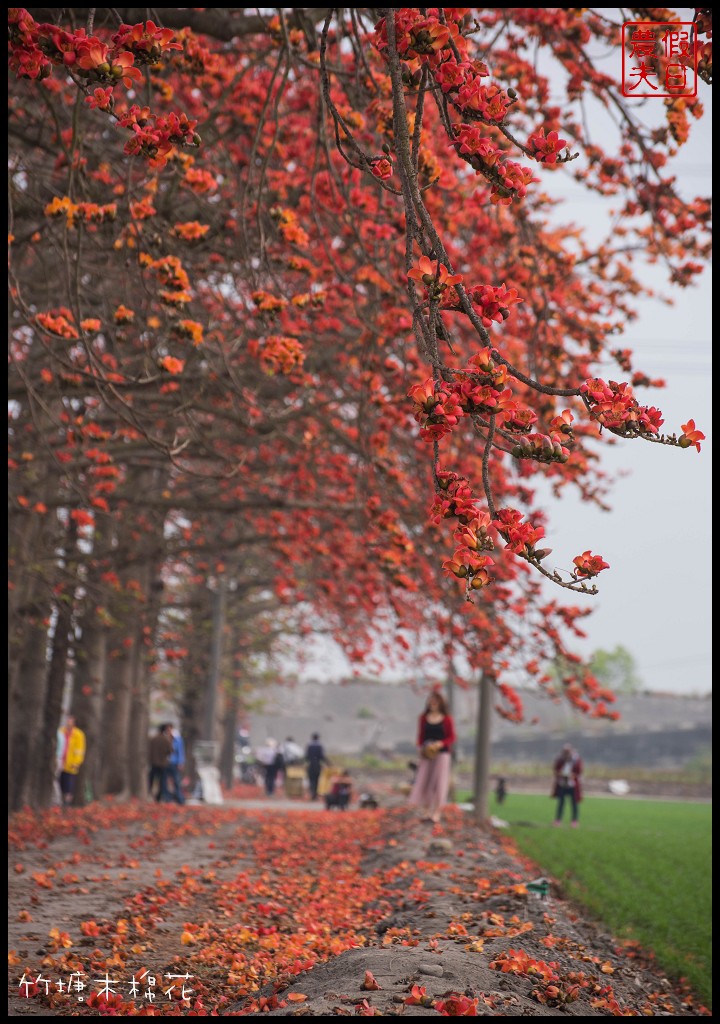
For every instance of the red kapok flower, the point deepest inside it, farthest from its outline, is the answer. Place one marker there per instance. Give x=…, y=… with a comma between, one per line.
x=382, y=168
x=546, y=148
x=588, y=565
x=432, y=272
x=690, y=436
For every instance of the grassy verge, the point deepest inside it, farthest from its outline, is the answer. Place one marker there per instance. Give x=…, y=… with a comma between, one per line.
x=640, y=867
x=698, y=773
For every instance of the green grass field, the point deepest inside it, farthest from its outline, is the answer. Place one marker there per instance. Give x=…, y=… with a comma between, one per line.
x=641, y=867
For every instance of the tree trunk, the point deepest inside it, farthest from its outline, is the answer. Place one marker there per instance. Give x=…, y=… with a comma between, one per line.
x=196, y=672
x=481, y=773
x=229, y=730
x=216, y=652
x=127, y=713
x=87, y=702
x=142, y=684
x=45, y=766
x=32, y=545
x=139, y=711
x=115, y=726
x=23, y=538
x=27, y=699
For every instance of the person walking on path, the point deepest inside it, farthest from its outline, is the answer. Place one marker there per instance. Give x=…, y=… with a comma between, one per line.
x=567, y=785
x=176, y=766
x=70, y=756
x=160, y=751
x=270, y=757
x=435, y=741
x=314, y=759
x=292, y=752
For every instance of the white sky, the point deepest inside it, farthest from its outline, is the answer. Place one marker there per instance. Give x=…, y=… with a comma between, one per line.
x=655, y=599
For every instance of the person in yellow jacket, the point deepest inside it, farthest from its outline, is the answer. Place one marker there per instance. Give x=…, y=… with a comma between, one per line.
x=71, y=754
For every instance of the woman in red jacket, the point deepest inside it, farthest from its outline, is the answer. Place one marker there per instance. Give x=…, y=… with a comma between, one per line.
x=436, y=738
x=567, y=784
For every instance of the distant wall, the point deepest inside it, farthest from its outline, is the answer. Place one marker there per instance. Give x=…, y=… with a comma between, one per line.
x=355, y=717
x=664, y=748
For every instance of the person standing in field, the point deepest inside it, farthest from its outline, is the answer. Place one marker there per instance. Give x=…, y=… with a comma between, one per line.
x=567, y=785
x=70, y=756
x=500, y=790
x=435, y=741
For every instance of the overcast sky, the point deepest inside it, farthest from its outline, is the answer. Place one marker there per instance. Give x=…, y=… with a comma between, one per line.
x=655, y=599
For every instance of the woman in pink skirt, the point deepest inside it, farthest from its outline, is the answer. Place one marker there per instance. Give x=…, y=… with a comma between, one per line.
x=436, y=737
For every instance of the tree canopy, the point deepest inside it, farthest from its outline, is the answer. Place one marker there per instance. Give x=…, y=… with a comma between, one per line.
x=294, y=320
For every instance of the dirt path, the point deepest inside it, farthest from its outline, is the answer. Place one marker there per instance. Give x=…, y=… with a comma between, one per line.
x=247, y=911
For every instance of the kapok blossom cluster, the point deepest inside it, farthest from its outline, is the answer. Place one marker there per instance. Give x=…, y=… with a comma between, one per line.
x=36, y=48
x=423, y=39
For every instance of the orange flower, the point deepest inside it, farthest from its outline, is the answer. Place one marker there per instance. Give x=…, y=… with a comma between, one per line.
x=563, y=422
x=192, y=231
x=146, y=41
x=369, y=982
x=427, y=37
x=418, y=996
x=94, y=58
x=172, y=365
x=457, y=1005
x=690, y=436
x=588, y=565
x=123, y=315
x=65, y=206
x=432, y=272
x=93, y=55
x=192, y=329
x=58, y=323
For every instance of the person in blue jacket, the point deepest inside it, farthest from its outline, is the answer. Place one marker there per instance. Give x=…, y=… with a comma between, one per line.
x=176, y=767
